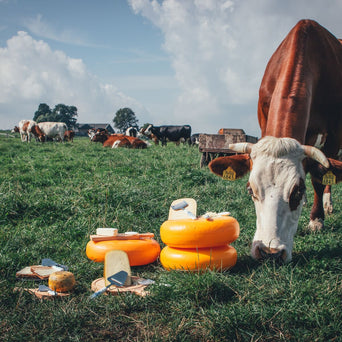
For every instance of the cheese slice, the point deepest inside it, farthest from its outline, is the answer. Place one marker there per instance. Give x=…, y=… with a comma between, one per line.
x=106, y=231
x=182, y=214
x=114, y=262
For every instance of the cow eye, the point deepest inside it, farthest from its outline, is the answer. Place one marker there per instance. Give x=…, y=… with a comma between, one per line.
x=297, y=194
x=250, y=190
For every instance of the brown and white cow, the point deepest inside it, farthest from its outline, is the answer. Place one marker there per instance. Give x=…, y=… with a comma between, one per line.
x=38, y=133
x=300, y=106
x=118, y=140
x=25, y=127
x=69, y=135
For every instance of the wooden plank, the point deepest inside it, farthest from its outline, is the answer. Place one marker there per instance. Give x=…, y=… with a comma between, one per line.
x=137, y=236
x=218, y=143
x=231, y=131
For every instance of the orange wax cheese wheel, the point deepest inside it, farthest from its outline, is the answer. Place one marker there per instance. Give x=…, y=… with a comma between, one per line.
x=61, y=281
x=192, y=259
x=140, y=252
x=200, y=233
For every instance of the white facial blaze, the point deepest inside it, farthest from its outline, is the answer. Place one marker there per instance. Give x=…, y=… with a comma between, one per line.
x=277, y=169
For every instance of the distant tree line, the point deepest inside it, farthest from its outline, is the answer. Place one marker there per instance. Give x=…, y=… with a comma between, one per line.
x=61, y=113
x=124, y=117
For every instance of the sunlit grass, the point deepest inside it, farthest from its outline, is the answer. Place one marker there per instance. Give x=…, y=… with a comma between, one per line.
x=54, y=195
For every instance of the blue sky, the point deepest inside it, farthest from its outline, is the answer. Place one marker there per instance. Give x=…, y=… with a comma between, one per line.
x=197, y=62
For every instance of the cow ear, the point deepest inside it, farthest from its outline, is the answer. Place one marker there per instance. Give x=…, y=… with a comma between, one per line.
x=241, y=164
x=323, y=175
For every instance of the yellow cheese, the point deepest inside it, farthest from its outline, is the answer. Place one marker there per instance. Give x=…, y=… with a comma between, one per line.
x=106, y=231
x=114, y=262
x=61, y=281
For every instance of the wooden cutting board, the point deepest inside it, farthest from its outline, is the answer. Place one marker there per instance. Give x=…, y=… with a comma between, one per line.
x=40, y=294
x=98, y=284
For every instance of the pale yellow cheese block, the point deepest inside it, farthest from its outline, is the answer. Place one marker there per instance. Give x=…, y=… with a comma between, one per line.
x=114, y=262
x=181, y=214
x=107, y=231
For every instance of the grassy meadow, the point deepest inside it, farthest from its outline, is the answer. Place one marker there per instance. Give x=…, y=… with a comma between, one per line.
x=53, y=196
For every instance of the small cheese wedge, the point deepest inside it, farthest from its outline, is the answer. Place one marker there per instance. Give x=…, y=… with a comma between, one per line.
x=114, y=262
x=106, y=231
x=182, y=214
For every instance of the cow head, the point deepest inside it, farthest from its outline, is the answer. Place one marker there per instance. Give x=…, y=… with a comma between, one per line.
x=100, y=136
x=148, y=131
x=91, y=132
x=37, y=132
x=277, y=187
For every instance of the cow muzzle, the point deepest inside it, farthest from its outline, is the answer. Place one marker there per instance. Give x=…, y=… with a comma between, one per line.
x=266, y=253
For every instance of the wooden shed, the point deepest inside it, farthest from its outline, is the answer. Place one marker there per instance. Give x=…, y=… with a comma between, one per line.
x=212, y=146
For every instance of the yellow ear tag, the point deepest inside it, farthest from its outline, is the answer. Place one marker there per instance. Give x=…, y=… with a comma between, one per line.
x=229, y=174
x=329, y=178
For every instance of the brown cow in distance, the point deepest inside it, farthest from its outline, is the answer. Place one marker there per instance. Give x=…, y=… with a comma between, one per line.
x=300, y=116
x=69, y=135
x=118, y=140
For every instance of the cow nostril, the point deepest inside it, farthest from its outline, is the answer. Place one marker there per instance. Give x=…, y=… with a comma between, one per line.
x=267, y=253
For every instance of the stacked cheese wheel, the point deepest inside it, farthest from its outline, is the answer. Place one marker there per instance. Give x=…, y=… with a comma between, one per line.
x=199, y=244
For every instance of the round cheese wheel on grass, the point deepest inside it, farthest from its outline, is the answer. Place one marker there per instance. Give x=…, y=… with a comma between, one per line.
x=61, y=281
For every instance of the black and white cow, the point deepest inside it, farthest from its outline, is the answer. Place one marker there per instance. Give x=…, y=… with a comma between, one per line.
x=175, y=134
x=131, y=132
x=195, y=139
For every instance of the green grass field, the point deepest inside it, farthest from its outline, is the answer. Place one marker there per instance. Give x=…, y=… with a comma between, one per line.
x=53, y=196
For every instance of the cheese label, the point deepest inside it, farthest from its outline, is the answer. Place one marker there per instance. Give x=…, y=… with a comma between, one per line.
x=329, y=178
x=229, y=174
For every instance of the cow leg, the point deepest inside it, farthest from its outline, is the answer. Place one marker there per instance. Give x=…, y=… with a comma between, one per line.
x=317, y=213
x=327, y=200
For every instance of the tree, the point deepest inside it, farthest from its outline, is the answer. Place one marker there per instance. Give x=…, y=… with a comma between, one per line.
x=66, y=114
x=43, y=110
x=61, y=113
x=125, y=118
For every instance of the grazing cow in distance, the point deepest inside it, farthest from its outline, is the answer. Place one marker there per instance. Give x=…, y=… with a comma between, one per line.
x=300, y=106
x=69, y=135
x=170, y=133
x=37, y=132
x=195, y=139
x=54, y=130
x=24, y=128
x=15, y=130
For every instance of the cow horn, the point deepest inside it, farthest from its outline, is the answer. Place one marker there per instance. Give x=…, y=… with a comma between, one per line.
x=316, y=154
x=241, y=147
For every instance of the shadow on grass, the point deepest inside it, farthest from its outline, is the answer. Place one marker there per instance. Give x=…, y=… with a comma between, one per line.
x=326, y=254
x=244, y=264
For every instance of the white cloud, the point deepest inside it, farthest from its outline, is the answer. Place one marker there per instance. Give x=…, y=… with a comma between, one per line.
x=220, y=49
x=32, y=73
x=41, y=28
